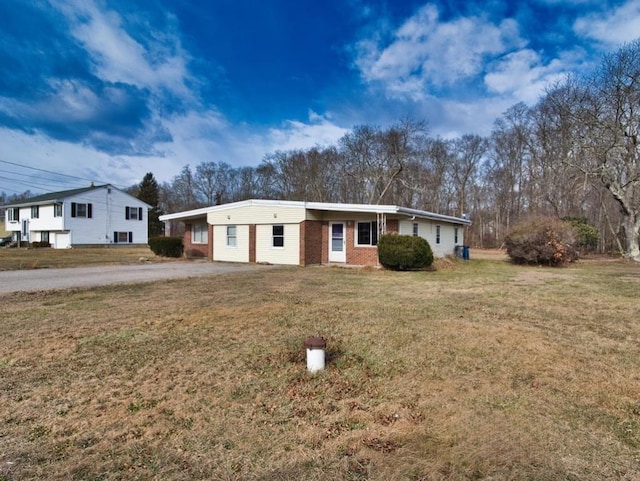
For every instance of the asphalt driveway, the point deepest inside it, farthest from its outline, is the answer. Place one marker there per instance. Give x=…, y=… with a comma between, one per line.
x=45, y=279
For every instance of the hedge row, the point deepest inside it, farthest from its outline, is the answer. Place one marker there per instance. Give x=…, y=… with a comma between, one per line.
x=166, y=246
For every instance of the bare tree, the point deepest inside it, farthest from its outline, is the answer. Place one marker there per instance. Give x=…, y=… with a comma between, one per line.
x=606, y=112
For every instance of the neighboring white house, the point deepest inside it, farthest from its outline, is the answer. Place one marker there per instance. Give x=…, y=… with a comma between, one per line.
x=91, y=216
x=304, y=233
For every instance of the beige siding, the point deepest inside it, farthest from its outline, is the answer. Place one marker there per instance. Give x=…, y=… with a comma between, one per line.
x=257, y=214
x=427, y=229
x=222, y=252
x=289, y=254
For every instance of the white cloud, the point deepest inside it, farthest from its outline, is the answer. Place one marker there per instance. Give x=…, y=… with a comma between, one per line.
x=426, y=51
x=522, y=76
x=612, y=27
x=300, y=135
x=118, y=57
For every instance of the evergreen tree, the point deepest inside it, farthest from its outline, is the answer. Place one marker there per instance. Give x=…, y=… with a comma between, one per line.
x=148, y=191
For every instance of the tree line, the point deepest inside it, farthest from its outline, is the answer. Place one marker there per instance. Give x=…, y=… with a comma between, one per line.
x=575, y=153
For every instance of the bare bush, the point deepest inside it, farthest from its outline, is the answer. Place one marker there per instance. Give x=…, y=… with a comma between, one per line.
x=544, y=241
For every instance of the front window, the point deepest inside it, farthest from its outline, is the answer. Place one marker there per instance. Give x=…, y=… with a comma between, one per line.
x=35, y=211
x=44, y=236
x=14, y=214
x=437, y=234
x=231, y=236
x=57, y=210
x=277, y=236
x=367, y=233
x=199, y=234
x=415, y=229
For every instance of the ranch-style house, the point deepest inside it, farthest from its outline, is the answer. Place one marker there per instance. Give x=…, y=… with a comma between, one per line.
x=307, y=233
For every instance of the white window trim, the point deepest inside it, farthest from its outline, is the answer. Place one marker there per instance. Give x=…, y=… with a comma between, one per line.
x=273, y=236
x=205, y=231
x=355, y=233
x=234, y=237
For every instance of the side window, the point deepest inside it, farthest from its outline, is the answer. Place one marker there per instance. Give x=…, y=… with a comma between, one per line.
x=232, y=239
x=277, y=236
x=81, y=210
x=133, y=213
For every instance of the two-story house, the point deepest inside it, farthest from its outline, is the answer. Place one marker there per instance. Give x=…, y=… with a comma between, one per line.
x=91, y=216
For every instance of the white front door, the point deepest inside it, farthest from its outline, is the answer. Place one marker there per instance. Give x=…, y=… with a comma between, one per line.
x=337, y=242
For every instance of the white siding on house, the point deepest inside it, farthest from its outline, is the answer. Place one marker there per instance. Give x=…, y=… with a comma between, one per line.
x=256, y=214
x=45, y=221
x=289, y=254
x=223, y=252
x=108, y=215
x=428, y=230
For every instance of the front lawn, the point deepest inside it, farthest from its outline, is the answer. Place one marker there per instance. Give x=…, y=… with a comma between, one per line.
x=482, y=370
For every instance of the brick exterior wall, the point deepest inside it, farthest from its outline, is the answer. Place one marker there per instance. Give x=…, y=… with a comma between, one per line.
x=193, y=250
x=314, y=244
x=360, y=256
x=324, y=243
x=252, y=243
x=210, y=245
x=311, y=242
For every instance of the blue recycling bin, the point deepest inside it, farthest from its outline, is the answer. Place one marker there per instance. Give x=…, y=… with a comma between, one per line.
x=465, y=253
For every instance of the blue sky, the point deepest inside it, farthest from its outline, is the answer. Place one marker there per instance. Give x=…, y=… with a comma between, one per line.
x=107, y=90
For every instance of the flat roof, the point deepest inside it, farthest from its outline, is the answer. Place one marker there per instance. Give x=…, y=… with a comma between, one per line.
x=321, y=206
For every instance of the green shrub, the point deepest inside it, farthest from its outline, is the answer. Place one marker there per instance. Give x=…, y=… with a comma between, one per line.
x=166, y=246
x=403, y=252
x=38, y=244
x=544, y=240
x=587, y=236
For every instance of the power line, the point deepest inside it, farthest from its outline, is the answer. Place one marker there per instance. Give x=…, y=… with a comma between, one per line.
x=34, y=176
x=84, y=179
x=44, y=170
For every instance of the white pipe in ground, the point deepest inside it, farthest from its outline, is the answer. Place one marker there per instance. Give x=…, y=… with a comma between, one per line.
x=315, y=353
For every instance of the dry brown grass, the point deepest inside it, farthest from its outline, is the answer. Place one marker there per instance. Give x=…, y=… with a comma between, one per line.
x=481, y=371
x=23, y=258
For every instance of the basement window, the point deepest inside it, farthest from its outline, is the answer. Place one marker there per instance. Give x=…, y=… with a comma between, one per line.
x=123, y=237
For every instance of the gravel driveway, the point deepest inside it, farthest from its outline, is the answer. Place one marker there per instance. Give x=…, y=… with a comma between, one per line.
x=44, y=279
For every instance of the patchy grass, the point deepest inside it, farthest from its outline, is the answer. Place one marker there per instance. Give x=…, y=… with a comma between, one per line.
x=481, y=370
x=15, y=259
